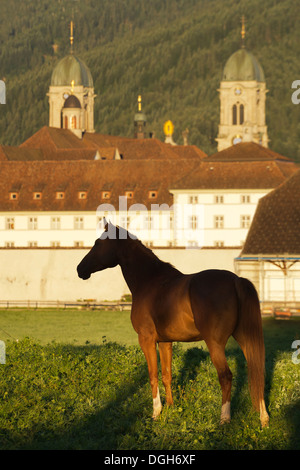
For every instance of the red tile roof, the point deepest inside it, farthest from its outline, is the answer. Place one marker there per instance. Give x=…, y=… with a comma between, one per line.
x=52, y=141
x=275, y=227
x=116, y=176
x=246, y=151
x=236, y=175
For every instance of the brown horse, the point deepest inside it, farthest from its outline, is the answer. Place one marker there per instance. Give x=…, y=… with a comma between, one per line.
x=168, y=306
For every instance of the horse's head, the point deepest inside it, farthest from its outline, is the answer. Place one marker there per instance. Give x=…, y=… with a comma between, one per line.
x=104, y=253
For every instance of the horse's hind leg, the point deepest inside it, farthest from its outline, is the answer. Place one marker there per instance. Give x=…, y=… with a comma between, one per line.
x=165, y=352
x=217, y=354
x=148, y=346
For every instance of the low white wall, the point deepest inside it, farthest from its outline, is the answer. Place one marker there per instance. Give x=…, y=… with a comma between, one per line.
x=50, y=274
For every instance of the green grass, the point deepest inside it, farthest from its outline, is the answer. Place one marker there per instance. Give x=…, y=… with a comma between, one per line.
x=68, y=326
x=83, y=391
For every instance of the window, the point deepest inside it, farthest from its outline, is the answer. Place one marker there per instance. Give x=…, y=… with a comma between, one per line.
x=73, y=122
x=13, y=196
x=152, y=194
x=219, y=221
x=241, y=114
x=245, y=199
x=78, y=223
x=10, y=223
x=9, y=244
x=32, y=244
x=219, y=199
x=150, y=222
x=82, y=195
x=55, y=244
x=55, y=223
x=60, y=195
x=192, y=244
x=193, y=199
x=238, y=114
x=245, y=221
x=37, y=195
x=234, y=115
x=32, y=223
x=78, y=244
x=219, y=243
x=193, y=222
x=129, y=194
x=105, y=194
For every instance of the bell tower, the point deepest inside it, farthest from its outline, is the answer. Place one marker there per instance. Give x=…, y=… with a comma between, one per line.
x=140, y=121
x=72, y=78
x=242, y=99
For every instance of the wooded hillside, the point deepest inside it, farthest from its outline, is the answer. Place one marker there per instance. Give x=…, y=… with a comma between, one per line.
x=172, y=52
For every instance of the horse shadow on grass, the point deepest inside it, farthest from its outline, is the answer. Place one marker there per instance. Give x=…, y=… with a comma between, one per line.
x=104, y=427
x=278, y=337
x=196, y=357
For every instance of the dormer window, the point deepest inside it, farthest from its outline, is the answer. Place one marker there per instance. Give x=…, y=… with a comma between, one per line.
x=129, y=194
x=37, y=195
x=13, y=196
x=152, y=194
x=105, y=194
x=60, y=195
x=82, y=195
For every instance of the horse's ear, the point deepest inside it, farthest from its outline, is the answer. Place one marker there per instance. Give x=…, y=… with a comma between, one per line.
x=105, y=224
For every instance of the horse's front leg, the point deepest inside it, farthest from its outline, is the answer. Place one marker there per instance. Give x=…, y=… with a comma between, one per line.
x=148, y=346
x=165, y=352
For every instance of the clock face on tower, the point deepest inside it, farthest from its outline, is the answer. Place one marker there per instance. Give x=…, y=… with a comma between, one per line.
x=237, y=91
x=66, y=95
x=237, y=139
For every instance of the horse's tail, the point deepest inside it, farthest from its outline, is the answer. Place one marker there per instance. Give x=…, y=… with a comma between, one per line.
x=249, y=335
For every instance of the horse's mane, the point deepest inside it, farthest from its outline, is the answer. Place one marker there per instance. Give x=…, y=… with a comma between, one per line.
x=139, y=247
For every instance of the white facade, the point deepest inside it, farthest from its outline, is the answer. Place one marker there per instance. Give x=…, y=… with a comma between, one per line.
x=215, y=218
x=199, y=218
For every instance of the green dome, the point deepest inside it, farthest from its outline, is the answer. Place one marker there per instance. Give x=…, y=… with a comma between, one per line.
x=243, y=66
x=140, y=117
x=71, y=68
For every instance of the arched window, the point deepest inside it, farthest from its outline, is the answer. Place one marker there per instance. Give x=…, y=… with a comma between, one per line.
x=241, y=114
x=234, y=114
x=66, y=122
x=73, y=122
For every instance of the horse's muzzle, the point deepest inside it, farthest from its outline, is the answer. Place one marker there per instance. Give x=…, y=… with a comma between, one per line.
x=83, y=275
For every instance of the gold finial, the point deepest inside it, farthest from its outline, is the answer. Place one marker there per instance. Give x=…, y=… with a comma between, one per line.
x=72, y=85
x=71, y=35
x=243, y=31
x=139, y=103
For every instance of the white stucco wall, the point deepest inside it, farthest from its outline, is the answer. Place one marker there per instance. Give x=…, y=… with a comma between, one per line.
x=50, y=274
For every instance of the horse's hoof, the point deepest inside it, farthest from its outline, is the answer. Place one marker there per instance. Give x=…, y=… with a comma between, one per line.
x=224, y=420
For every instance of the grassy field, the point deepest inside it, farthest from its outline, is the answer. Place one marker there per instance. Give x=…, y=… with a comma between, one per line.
x=78, y=380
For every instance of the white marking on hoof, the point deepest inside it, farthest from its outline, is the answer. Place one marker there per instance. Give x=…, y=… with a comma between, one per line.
x=225, y=413
x=264, y=417
x=156, y=405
